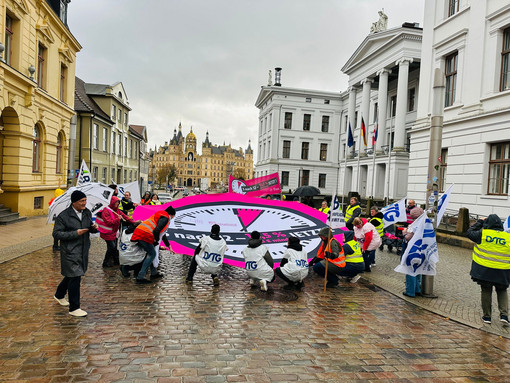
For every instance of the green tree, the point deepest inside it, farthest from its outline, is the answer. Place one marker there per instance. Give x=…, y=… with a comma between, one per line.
x=167, y=172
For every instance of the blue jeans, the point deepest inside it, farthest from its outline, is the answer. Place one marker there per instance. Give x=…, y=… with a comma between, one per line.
x=413, y=285
x=147, y=262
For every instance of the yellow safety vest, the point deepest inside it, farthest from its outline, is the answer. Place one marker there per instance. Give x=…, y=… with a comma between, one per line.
x=349, y=211
x=355, y=257
x=324, y=210
x=494, y=250
x=378, y=224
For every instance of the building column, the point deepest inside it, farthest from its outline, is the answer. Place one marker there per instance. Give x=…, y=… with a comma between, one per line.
x=400, y=114
x=365, y=113
x=382, y=104
x=350, y=114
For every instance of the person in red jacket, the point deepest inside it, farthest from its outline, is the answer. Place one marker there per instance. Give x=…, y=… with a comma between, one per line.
x=149, y=234
x=109, y=224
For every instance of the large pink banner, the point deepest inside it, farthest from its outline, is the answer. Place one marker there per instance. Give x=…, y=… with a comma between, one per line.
x=238, y=216
x=255, y=187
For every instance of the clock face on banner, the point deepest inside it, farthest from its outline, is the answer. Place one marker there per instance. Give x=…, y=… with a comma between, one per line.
x=238, y=216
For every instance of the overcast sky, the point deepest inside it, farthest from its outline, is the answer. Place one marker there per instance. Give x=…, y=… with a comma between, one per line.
x=202, y=62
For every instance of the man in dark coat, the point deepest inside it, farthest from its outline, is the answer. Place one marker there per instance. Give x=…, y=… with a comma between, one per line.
x=73, y=227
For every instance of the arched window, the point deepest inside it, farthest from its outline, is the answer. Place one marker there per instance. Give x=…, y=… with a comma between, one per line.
x=59, y=153
x=36, y=150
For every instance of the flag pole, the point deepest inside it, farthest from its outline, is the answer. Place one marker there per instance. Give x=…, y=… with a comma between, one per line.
x=326, y=258
x=358, y=178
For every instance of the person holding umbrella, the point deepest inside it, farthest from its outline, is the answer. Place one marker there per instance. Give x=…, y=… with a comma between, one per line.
x=73, y=227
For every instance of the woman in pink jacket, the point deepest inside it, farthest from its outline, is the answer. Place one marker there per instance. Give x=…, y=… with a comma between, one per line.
x=367, y=236
x=109, y=224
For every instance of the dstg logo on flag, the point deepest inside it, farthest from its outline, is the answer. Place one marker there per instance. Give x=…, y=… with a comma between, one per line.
x=394, y=213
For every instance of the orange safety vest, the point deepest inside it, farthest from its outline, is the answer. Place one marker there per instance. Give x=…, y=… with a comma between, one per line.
x=145, y=231
x=339, y=261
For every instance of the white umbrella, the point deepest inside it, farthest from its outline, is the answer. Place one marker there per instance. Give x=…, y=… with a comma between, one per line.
x=98, y=196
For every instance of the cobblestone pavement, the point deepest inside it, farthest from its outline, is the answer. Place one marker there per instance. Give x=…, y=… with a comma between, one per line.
x=458, y=297
x=172, y=332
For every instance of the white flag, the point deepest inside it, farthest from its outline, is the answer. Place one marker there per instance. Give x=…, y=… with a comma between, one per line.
x=131, y=187
x=505, y=225
x=336, y=218
x=84, y=177
x=396, y=212
x=421, y=254
x=442, y=203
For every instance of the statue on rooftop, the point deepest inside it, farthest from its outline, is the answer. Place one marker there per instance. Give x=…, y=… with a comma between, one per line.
x=381, y=24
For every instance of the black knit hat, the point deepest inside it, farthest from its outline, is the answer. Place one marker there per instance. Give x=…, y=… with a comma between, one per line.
x=255, y=235
x=77, y=195
x=215, y=229
x=170, y=210
x=293, y=241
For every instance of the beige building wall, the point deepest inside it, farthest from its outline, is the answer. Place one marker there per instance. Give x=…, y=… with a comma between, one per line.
x=33, y=96
x=215, y=163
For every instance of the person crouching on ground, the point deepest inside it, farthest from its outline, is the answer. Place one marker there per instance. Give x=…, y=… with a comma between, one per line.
x=131, y=255
x=259, y=263
x=368, y=237
x=73, y=227
x=344, y=261
x=109, y=223
x=294, y=265
x=148, y=234
x=490, y=266
x=208, y=255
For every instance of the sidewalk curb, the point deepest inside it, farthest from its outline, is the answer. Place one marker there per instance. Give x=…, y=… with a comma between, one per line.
x=416, y=302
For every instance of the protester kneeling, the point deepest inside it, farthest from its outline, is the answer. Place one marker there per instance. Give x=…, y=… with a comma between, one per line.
x=294, y=265
x=209, y=255
x=131, y=255
x=259, y=263
x=344, y=261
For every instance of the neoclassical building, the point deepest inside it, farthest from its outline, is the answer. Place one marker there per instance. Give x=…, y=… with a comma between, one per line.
x=37, y=70
x=210, y=168
x=303, y=134
x=299, y=136
x=383, y=90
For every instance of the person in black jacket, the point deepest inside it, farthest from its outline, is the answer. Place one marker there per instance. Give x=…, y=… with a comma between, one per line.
x=73, y=227
x=489, y=267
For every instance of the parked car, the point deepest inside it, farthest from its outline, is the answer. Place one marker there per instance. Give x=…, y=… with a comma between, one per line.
x=165, y=197
x=185, y=193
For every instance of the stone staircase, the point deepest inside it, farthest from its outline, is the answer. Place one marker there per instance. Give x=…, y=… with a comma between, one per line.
x=7, y=216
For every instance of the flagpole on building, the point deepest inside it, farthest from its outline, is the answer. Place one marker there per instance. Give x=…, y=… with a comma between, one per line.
x=358, y=178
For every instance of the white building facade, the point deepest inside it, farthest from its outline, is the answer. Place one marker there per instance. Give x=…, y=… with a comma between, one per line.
x=303, y=134
x=383, y=88
x=470, y=42
x=298, y=137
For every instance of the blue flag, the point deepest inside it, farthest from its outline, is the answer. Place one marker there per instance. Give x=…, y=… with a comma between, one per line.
x=350, y=139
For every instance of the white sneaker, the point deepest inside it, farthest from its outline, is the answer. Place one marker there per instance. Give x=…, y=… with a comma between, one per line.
x=78, y=313
x=355, y=279
x=62, y=302
x=252, y=282
x=263, y=285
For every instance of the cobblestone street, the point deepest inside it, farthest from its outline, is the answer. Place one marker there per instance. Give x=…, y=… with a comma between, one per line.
x=172, y=332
